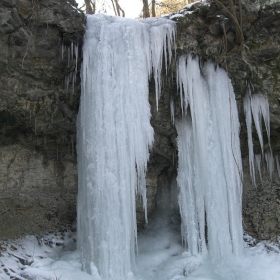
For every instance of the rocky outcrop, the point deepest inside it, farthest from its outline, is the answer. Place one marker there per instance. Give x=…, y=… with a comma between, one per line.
x=40, y=56
x=40, y=43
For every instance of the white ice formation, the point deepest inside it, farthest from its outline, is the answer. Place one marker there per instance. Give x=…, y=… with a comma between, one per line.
x=210, y=167
x=256, y=108
x=72, y=53
x=114, y=135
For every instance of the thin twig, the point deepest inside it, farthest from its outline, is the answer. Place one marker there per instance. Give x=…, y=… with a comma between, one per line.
x=2, y=213
x=239, y=32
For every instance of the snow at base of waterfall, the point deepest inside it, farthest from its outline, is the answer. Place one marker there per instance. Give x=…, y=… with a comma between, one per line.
x=161, y=257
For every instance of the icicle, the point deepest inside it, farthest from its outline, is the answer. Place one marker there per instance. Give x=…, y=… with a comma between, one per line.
x=68, y=63
x=114, y=136
x=165, y=36
x=73, y=82
x=66, y=81
x=260, y=108
x=210, y=166
x=270, y=163
x=191, y=200
x=72, y=52
x=182, y=72
x=248, y=118
x=172, y=110
x=62, y=51
x=257, y=105
x=76, y=57
x=258, y=160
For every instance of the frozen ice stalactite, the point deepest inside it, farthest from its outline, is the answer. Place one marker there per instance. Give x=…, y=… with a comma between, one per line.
x=256, y=105
x=72, y=59
x=260, y=110
x=248, y=118
x=62, y=51
x=210, y=167
x=166, y=36
x=191, y=200
x=114, y=136
x=258, y=160
x=172, y=110
x=270, y=163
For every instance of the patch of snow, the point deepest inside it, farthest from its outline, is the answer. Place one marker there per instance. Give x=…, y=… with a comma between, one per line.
x=188, y=12
x=54, y=257
x=176, y=16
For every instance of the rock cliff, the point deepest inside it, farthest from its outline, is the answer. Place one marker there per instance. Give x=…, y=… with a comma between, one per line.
x=40, y=47
x=40, y=56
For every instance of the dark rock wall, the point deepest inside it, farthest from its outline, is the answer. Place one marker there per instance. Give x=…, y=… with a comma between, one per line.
x=38, y=108
x=38, y=177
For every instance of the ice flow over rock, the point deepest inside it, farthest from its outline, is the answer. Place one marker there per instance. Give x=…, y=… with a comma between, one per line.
x=114, y=136
x=210, y=167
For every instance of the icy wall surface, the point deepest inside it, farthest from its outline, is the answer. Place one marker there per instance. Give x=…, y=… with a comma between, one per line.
x=114, y=135
x=210, y=166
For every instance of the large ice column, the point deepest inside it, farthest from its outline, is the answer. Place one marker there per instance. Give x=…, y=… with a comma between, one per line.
x=210, y=167
x=114, y=136
x=191, y=199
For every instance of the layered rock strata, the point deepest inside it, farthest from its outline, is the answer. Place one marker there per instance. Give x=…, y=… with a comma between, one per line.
x=40, y=47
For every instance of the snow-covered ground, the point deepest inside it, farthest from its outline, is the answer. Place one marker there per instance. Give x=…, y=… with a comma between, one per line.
x=160, y=257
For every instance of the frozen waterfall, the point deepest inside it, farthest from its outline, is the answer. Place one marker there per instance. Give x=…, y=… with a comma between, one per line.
x=115, y=136
x=210, y=167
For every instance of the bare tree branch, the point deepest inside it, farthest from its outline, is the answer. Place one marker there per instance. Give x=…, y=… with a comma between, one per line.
x=119, y=9
x=90, y=7
x=146, y=12
x=239, y=33
x=114, y=7
x=153, y=8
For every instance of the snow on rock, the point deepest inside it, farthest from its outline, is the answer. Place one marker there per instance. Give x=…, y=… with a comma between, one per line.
x=48, y=257
x=54, y=257
x=176, y=16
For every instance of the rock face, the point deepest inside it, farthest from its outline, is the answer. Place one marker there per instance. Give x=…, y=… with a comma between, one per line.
x=40, y=57
x=38, y=54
